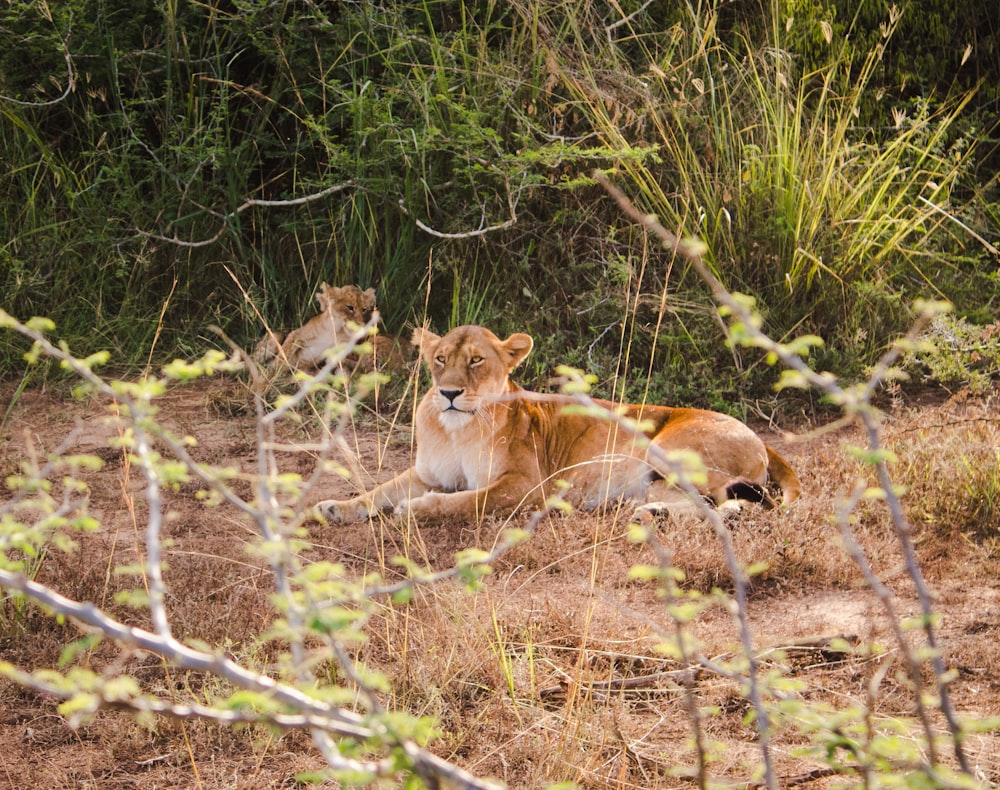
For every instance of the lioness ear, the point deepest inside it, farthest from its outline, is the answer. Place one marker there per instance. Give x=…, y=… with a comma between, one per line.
x=426, y=341
x=517, y=347
x=422, y=336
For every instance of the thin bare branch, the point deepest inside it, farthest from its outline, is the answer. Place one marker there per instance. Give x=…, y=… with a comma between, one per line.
x=469, y=234
x=482, y=230
x=185, y=657
x=741, y=581
x=992, y=249
x=70, y=86
x=244, y=206
x=627, y=20
x=856, y=403
x=309, y=711
x=154, y=521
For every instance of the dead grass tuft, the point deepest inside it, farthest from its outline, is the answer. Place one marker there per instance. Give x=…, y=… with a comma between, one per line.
x=949, y=460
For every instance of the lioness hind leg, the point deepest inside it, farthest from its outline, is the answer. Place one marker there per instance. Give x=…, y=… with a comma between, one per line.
x=727, y=501
x=743, y=490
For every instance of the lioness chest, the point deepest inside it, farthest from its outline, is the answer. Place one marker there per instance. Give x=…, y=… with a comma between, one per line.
x=460, y=461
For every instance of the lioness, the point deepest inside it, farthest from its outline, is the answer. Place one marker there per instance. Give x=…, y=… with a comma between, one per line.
x=484, y=445
x=304, y=347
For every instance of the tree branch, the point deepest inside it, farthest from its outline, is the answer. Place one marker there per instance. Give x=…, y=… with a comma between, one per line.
x=248, y=204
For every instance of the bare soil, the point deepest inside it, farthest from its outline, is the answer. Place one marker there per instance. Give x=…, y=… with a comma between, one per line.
x=552, y=672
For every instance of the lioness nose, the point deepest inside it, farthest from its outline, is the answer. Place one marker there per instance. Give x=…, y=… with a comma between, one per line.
x=451, y=394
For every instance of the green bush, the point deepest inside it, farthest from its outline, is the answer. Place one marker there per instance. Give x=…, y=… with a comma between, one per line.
x=956, y=353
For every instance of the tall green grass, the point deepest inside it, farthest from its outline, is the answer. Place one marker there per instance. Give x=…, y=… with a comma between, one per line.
x=462, y=136
x=832, y=225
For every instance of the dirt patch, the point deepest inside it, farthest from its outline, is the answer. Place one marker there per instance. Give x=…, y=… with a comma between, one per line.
x=555, y=670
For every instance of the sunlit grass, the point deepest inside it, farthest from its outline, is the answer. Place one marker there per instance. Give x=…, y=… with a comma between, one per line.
x=825, y=220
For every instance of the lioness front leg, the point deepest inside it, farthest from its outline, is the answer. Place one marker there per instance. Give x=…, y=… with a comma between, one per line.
x=408, y=494
x=502, y=497
x=386, y=497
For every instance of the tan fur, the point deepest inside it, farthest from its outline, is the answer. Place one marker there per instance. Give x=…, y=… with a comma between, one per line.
x=305, y=347
x=484, y=445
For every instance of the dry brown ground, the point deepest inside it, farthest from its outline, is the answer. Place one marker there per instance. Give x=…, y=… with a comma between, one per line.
x=513, y=673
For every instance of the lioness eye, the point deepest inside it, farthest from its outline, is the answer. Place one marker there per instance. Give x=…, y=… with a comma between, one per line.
x=475, y=360
x=439, y=360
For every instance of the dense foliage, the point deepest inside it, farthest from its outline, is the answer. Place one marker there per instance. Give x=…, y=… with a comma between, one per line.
x=174, y=164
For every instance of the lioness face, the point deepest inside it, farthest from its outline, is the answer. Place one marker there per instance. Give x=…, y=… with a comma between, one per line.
x=346, y=304
x=469, y=367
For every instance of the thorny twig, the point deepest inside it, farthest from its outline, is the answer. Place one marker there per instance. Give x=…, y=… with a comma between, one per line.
x=70, y=85
x=483, y=228
x=303, y=710
x=226, y=218
x=741, y=581
x=857, y=404
x=884, y=596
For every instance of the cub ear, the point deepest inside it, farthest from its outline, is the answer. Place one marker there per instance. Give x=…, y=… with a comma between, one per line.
x=369, y=297
x=326, y=295
x=517, y=347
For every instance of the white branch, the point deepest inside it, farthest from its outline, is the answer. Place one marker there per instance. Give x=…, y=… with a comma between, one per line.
x=337, y=719
x=247, y=204
x=70, y=86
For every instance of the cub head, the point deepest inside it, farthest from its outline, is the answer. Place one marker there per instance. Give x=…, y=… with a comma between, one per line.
x=346, y=304
x=469, y=367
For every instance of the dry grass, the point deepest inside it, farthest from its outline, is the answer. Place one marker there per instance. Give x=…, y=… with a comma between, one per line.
x=950, y=461
x=554, y=671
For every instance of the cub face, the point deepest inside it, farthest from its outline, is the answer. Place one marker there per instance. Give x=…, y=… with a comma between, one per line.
x=346, y=304
x=469, y=367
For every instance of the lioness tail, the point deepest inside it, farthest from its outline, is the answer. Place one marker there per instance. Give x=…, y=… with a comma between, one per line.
x=781, y=473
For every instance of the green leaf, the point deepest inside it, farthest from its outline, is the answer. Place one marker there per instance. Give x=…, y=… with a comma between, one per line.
x=637, y=533
x=932, y=307
x=803, y=345
x=137, y=599
x=403, y=595
x=335, y=620
x=515, y=536
x=793, y=379
x=757, y=568
x=78, y=646
x=80, y=707
x=40, y=324
x=872, y=456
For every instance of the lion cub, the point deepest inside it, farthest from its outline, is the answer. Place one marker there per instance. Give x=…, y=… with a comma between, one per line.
x=484, y=445
x=305, y=347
